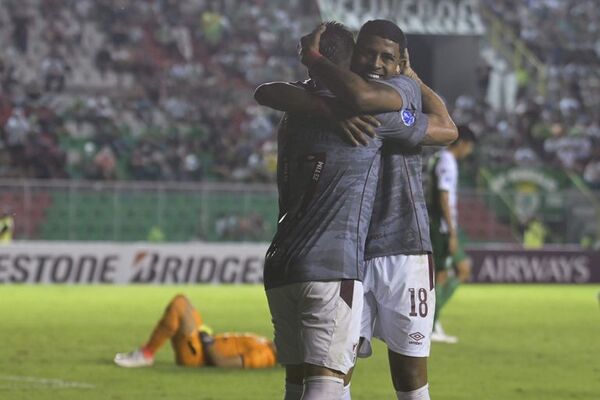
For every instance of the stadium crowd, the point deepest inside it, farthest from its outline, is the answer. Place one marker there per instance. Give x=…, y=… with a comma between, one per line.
x=162, y=89
x=144, y=90
x=562, y=128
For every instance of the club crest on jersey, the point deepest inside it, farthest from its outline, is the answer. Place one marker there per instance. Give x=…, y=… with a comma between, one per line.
x=408, y=117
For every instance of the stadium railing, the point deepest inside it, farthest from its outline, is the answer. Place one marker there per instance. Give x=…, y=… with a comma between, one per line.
x=226, y=212
x=139, y=211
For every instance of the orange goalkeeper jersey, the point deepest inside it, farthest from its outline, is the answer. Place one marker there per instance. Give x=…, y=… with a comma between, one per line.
x=256, y=351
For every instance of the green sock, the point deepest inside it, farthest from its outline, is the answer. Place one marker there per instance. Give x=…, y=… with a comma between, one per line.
x=439, y=301
x=450, y=287
x=443, y=293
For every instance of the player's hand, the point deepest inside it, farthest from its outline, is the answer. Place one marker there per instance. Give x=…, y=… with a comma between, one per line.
x=310, y=44
x=357, y=130
x=452, y=243
x=407, y=70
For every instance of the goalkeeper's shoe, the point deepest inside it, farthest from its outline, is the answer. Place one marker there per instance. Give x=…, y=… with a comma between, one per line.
x=134, y=359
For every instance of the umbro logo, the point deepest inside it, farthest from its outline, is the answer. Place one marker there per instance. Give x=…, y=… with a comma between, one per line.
x=416, y=338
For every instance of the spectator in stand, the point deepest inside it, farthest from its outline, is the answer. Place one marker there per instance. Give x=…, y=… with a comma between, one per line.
x=591, y=172
x=185, y=69
x=178, y=64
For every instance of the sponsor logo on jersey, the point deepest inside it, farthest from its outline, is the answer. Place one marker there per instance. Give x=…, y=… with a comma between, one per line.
x=416, y=337
x=408, y=117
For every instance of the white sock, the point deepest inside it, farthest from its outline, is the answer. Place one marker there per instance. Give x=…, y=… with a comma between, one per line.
x=322, y=388
x=346, y=393
x=293, y=391
x=421, y=393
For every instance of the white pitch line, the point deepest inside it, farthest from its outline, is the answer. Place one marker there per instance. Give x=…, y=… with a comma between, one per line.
x=54, y=383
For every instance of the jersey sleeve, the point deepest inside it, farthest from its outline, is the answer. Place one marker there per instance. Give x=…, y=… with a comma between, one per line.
x=407, y=126
x=310, y=86
x=446, y=175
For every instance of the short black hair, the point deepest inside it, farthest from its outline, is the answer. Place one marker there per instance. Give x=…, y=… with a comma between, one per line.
x=384, y=29
x=465, y=134
x=337, y=43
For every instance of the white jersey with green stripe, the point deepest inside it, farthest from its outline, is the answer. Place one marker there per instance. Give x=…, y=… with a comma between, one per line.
x=443, y=178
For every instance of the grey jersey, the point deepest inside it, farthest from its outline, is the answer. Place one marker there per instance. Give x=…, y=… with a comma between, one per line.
x=399, y=224
x=326, y=191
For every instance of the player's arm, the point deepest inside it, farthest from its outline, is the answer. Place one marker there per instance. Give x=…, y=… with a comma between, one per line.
x=359, y=95
x=283, y=96
x=214, y=358
x=441, y=130
x=290, y=98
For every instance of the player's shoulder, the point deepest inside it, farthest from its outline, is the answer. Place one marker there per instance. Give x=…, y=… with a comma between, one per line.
x=408, y=88
x=402, y=82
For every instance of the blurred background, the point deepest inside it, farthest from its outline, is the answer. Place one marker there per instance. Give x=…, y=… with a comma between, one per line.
x=132, y=152
x=125, y=120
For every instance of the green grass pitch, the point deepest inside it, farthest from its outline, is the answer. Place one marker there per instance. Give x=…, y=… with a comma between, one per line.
x=516, y=342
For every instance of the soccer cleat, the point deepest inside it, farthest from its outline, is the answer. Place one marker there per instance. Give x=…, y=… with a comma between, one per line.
x=438, y=335
x=443, y=338
x=134, y=359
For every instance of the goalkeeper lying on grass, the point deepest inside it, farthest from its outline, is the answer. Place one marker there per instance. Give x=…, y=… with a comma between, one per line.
x=196, y=346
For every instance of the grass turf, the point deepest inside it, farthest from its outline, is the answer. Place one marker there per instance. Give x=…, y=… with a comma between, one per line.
x=516, y=342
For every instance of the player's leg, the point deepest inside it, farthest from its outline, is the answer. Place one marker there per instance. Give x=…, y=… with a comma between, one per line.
x=331, y=318
x=368, y=321
x=441, y=279
x=294, y=382
x=283, y=307
x=409, y=376
x=461, y=266
x=462, y=273
x=346, y=395
x=439, y=243
x=347, y=379
x=179, y=324
x=406, y=304
x=444, y=283
x=444, y=288
x=322, y=383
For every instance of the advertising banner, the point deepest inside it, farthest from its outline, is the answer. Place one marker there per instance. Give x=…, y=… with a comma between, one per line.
x=516, y=265
x=530, y=192
x=118, y=263
x=241, y=263
x=438, y=17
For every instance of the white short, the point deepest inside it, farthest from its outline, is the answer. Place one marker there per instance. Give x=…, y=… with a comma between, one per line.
x=317, y=323
x=399, y=304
